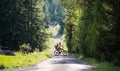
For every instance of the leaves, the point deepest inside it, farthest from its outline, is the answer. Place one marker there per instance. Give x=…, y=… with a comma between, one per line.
x=21, y=22
x=97, y=24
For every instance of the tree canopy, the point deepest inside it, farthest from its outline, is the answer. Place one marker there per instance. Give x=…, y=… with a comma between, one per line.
x=21, y=22
x=95, y=32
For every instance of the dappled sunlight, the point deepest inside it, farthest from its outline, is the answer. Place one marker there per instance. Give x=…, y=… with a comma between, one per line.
x=55, y=31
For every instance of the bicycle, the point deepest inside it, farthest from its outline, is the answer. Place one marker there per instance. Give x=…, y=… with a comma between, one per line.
x=61, y=51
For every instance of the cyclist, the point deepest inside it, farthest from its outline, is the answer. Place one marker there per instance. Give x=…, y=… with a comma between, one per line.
x=59, y=48
x=28, y=46
x=56, y=46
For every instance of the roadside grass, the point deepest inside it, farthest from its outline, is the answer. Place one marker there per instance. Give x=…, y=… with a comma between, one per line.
x=105, y=66
x=20, y=61
x=100, y=66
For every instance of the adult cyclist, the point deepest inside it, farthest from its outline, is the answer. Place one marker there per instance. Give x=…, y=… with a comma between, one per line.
x=59, y=48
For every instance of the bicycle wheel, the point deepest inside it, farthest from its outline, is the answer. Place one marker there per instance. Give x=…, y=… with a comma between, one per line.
x=56, y=53
x=64, y=52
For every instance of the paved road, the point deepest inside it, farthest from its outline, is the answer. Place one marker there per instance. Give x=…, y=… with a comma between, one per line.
x=59, y=63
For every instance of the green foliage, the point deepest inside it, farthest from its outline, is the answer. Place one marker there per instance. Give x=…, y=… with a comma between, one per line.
x=54, y=14
x=2, y=67
x=96, y=32
x=107, y=67
x=22, y=22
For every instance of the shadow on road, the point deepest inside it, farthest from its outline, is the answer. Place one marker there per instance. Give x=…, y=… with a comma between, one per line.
x=73, y=63
x=88, y=69
x=67, y=60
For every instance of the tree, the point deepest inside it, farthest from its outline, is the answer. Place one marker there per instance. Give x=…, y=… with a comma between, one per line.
x=97, y=34
x=22, y=22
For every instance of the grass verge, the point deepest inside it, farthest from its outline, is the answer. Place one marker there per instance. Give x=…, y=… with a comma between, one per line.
x=19, y=61
x=100, y=66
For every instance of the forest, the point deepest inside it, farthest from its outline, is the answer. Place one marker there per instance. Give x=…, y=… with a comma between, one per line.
x=91, y=27
x=21, y=22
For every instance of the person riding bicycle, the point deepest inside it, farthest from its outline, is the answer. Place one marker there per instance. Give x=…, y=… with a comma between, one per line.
x=28, y=46
x=56, y=46
x=59, y=48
